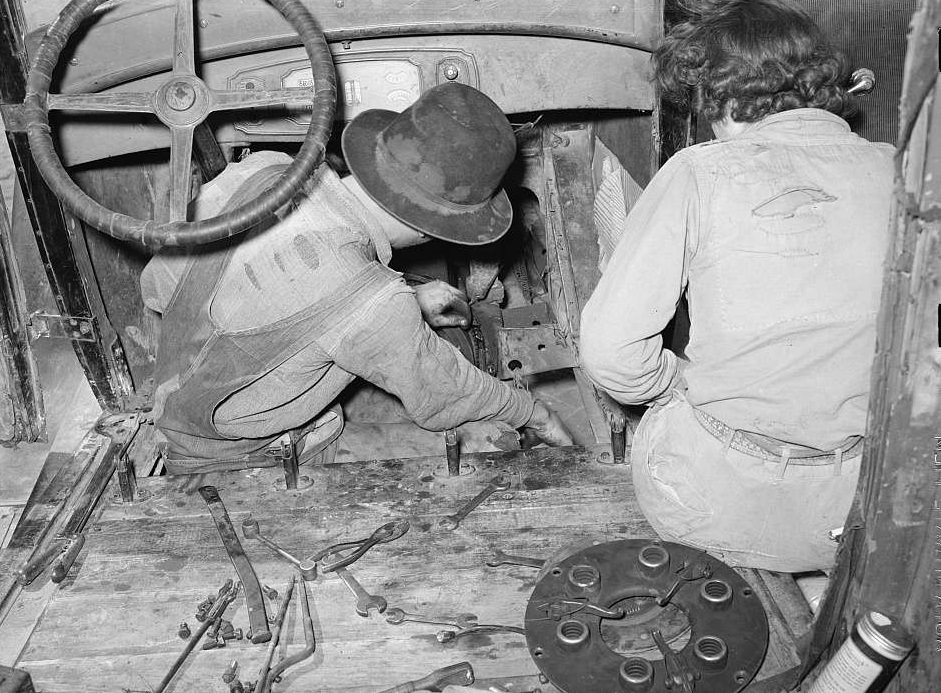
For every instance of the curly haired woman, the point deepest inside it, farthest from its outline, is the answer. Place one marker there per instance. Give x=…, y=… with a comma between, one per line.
x=777, y=231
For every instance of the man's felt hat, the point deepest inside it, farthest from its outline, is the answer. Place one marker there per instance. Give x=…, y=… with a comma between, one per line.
x=437, y=166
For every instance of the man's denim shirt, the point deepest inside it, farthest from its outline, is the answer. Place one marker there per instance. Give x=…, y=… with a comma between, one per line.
x=779, y=236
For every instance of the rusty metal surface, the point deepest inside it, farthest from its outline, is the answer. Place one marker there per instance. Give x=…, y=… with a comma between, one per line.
x=529, y=350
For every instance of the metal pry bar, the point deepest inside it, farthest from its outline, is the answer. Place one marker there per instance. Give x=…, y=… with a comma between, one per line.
x=254, y=599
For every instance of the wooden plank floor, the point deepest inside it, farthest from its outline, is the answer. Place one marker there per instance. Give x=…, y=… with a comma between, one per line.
x=112, y=625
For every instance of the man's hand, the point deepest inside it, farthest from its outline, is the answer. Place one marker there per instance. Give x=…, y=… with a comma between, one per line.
x=442, y=305
x=546, y=425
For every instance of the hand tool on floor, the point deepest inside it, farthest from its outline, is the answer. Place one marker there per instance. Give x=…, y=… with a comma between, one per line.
x=455, y=675
x=307, y=568
x=227, y=595
x=364, y=600
x=267, y=674
x=309, y=642
x=254, y=600
x=501, y=482
x=501, y=558
x=444, y=636
x=397, y=616
x=390, y=531
x=258, y=686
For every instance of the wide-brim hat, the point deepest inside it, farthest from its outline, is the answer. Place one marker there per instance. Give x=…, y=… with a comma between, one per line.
x=437, y=166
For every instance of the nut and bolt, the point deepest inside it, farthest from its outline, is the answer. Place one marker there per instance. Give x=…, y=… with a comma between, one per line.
x=444, y=636
x=184, y=631
x=229, y=632
x=228, y=676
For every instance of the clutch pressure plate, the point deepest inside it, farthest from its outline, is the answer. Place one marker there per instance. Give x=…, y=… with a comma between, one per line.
x=636, y=615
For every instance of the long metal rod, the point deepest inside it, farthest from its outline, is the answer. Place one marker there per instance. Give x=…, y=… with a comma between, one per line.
x=263, y=674
x=310, y=642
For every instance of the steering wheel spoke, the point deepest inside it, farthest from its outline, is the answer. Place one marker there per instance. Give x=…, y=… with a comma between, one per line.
x=116, y=102
x=182, y=103
x=181, y=171
x=184, y=39
x=234, y=99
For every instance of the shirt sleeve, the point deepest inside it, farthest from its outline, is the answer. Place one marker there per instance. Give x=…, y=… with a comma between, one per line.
x=621, y=348
x=389, y=344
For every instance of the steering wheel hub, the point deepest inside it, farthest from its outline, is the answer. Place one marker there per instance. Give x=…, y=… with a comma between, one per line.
x=182, y=101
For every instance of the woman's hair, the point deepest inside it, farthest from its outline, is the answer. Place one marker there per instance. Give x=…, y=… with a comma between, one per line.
x=749, y=59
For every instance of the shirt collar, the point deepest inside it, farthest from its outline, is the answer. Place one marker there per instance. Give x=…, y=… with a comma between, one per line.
x=799, y=123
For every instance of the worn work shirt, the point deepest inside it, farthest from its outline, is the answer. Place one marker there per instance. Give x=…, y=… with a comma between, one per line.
x=375, y=332
x=779, y=234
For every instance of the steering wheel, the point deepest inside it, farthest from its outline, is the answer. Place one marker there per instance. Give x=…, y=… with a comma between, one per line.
x=181, y=103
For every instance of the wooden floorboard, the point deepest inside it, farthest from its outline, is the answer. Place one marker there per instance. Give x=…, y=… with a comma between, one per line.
x=112, y=624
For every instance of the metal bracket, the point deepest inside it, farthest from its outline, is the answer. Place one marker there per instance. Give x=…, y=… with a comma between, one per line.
x=529, y=350
x=62, y=327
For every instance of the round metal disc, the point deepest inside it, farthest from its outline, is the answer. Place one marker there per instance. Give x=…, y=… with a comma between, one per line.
x=715, y=625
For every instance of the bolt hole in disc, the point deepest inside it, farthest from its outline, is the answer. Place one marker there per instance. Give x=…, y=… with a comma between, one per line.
x=714, y=624
x=585, y=576
x=631, y=635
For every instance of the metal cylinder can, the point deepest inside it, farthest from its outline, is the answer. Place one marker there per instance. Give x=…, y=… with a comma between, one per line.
x=868, y=659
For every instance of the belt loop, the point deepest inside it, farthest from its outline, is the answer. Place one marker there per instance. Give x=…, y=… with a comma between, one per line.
x=838, y=462
x=785, y=459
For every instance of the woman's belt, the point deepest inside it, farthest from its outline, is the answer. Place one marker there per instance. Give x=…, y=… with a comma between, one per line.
x=774, y=450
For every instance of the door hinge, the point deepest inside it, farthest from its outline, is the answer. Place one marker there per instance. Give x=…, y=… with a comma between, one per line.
x=62, y=327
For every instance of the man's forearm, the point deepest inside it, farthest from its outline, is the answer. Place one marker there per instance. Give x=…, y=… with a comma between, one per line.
x=392, y=347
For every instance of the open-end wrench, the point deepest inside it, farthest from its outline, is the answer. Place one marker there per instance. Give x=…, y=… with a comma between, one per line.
x=444, y=636
x=500, y=558
x=501, y=482
x=457, y=675
x=397, y=616
x=307, y=567
x=364, y=600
